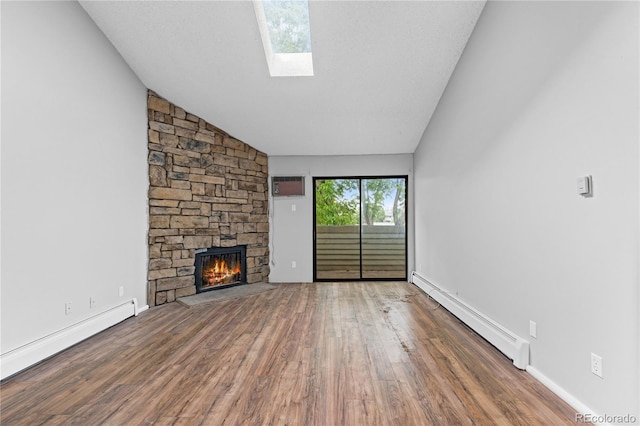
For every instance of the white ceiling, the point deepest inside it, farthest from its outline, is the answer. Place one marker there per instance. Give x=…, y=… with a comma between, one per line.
x=380, y=68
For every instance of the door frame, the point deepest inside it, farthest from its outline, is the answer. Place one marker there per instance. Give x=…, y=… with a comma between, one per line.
x=406, y=236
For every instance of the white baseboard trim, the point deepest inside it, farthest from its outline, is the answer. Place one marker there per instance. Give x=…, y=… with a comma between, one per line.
x=574, y=402
x=506, y=341
x=142, y=309
x=136, y=309
x=25, y=356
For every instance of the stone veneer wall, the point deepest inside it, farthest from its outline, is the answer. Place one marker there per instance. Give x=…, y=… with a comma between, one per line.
x=207, y=189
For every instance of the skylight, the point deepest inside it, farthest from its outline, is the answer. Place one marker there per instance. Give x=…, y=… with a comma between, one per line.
x=286, y=36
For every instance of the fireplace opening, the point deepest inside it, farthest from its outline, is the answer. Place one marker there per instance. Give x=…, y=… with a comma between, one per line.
x=220, y=267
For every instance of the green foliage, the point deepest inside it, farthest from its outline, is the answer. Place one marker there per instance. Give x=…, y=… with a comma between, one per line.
x=288, y=23
x=374, y=192
x=336, y=203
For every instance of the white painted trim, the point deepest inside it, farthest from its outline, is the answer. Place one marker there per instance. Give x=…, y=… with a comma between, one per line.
x=507, y=342
x=496, y=334
x=141, y=309
x=574, y=402
x=41, y=349
x=137, y=310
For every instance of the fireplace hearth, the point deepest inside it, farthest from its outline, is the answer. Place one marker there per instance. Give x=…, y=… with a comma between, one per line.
x=220, y=267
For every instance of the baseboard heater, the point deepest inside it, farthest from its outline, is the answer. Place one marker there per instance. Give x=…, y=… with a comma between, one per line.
x=506, y=341
x=30, y=354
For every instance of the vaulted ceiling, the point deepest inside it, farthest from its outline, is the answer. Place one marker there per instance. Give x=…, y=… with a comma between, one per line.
x=380, y=68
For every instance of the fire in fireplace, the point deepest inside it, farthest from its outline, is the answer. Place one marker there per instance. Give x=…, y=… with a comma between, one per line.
x=219, y=267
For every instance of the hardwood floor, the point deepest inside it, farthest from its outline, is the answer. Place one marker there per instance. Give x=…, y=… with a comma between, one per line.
x=302, y=354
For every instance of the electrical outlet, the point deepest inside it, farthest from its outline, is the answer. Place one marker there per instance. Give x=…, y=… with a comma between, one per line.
x=533, y=329
x=293, y=264
x=596, y=365
x=92, y=303
x=120, y=291
x=67, y=308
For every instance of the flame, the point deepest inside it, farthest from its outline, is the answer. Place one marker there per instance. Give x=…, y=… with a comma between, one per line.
x=219, y=272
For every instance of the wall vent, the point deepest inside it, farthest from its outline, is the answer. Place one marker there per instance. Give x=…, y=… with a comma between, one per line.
x=287, y=186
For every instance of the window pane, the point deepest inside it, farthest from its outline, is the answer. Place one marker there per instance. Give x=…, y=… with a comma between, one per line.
x=383, y=228
x=286, y=36
x=288, y=24
x=337, y=229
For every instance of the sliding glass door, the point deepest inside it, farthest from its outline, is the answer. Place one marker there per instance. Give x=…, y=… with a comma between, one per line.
x=360, y=228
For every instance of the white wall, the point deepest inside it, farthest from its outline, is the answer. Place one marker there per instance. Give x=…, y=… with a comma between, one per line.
x=292, y=231
x=74, y=172
x=545, y=92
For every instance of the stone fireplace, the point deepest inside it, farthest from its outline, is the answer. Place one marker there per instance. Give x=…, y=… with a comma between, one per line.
x=206, y=190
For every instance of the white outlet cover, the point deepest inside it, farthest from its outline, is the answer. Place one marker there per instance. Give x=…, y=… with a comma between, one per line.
x=596, y=365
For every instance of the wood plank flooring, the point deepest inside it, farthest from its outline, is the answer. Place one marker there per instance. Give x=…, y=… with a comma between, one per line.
x=303, y=354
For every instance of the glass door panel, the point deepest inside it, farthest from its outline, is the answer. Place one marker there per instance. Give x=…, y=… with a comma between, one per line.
x=337, y=229
x=383, y=228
